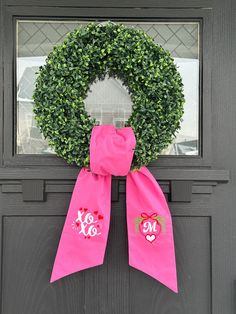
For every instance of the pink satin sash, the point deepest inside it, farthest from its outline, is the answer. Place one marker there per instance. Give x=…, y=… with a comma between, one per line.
x=84, y=236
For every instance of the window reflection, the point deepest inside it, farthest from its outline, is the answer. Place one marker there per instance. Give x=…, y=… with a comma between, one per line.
x=108, y=101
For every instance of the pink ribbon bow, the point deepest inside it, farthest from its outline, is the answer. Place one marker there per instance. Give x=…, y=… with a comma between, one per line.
x=84, y=236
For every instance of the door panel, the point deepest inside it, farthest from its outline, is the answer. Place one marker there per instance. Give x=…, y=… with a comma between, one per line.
x=29, y=247
x=28, y=256
x=193, y=260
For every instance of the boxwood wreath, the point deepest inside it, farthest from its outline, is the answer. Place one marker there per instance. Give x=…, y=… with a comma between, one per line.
x=89, y=54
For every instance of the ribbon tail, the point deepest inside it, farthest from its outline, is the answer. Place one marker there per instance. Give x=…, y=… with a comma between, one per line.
x=150, y=251
x=82, y=247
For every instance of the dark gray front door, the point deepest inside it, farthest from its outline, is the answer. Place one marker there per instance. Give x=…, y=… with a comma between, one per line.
x=197, y=173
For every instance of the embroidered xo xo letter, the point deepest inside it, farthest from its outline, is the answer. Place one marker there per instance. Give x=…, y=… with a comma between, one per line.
x=88, y=223
x=150, y=225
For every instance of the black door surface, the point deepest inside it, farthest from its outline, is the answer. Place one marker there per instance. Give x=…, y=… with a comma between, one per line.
x=197, y=173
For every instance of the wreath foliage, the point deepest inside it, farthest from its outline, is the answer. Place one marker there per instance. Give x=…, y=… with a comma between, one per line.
x=89, y=54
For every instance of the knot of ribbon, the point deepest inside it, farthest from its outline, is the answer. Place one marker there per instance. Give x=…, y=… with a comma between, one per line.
x=84, y=236
x=146, y=216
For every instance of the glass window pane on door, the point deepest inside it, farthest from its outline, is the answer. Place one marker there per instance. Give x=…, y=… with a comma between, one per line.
x=108, y=101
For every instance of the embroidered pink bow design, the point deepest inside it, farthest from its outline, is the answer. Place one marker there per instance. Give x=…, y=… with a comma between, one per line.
x=146, y=216
x=84, y=236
